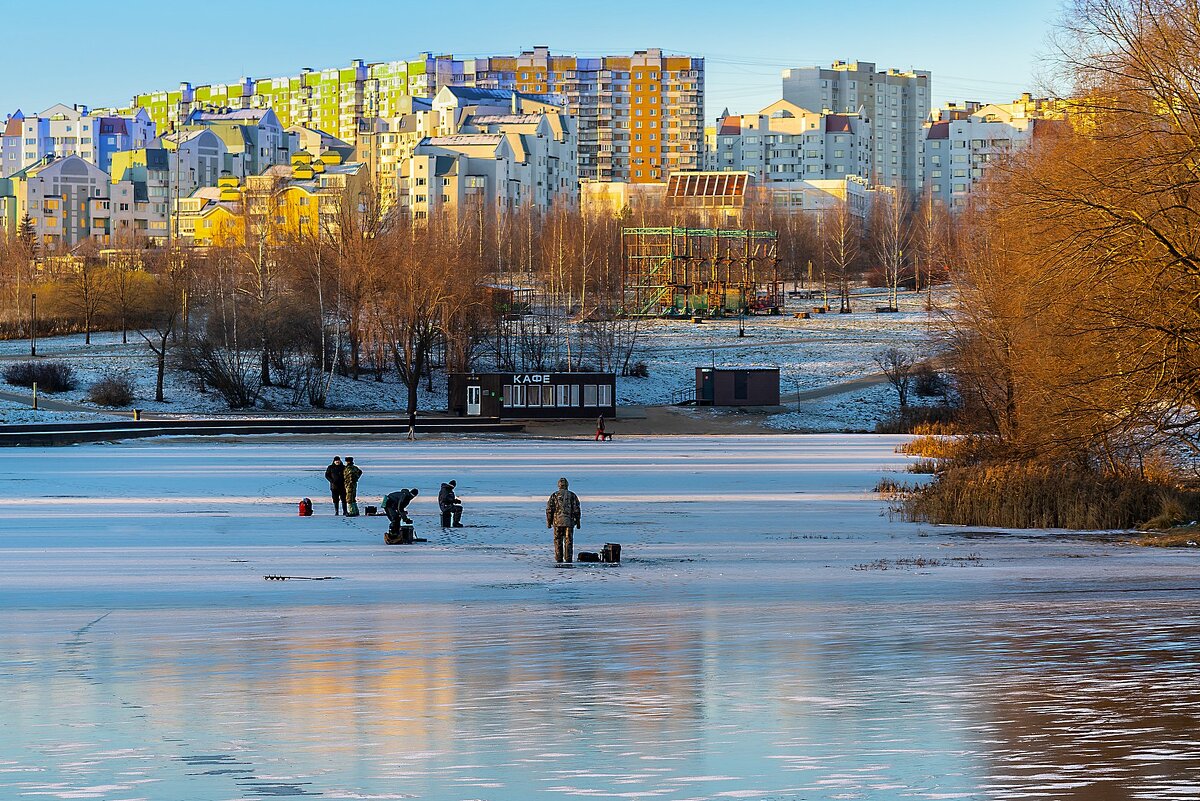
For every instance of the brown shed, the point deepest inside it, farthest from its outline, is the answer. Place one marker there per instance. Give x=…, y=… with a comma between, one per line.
x=737, y=386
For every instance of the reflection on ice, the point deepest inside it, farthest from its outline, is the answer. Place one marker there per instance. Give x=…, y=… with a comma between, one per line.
x=737, y=654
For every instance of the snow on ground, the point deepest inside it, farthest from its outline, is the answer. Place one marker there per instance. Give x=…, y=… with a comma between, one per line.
x=852, y=411
x=823, y=350
x=772, y=634
x=814, y=353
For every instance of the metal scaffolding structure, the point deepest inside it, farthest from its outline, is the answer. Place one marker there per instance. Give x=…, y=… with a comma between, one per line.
x=684, y=271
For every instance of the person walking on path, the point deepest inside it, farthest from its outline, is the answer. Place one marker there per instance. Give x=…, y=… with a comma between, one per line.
x=599, y=428
x=562, y=515
x=335, y=474
x=352, y=473
x=449, y=503
x=412, y=426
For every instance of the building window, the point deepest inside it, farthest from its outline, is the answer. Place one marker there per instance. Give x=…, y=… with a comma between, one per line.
x=564, y=394
x=590, y=393
x=606, y=398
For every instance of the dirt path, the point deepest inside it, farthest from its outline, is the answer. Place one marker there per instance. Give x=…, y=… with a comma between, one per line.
x=48, y=404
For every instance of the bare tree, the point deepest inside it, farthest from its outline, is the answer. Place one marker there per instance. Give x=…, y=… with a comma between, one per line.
x=897, y=367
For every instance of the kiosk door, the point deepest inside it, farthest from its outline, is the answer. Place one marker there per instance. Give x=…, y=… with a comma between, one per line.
x=474, y=394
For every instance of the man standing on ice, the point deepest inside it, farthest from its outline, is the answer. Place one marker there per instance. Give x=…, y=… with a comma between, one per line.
x=562, y=515
x=352, y=474
x=335, y=474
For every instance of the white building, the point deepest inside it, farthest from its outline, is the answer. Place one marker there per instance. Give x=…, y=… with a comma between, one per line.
x=965, y=140
x=254, y=139
x=63, y=130
x=896, y=104
x=491, y=146
x=785, y=142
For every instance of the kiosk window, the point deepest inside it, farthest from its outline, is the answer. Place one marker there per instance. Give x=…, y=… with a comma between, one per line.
x=535, y=395
x=506, y=395
x=518, y=394
x=547, y=395
x=606, y=395
x=589, y=394
x=574, y=394
x=564, y=394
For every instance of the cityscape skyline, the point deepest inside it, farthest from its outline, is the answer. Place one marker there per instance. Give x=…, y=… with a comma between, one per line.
x=744, y=58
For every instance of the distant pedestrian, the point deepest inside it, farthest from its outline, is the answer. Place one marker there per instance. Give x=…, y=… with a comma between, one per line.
x=335, y=474
x=412, y=426
x=450, y=505
x=599, y=428
x=352, y=474
x=562, y=515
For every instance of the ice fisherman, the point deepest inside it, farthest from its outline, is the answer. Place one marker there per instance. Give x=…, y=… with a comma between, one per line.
x=395, y=506
x=335, y=474
x=352, y=473
x=562, y=515
x=449, y=502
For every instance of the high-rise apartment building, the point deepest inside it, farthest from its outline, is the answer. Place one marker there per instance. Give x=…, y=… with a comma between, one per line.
x=640, y=115
x=896, y=103
x=785, y=142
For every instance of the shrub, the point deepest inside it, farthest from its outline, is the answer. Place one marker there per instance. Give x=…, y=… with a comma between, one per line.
x=1032, y=495
x=926, y=467
x=113, y=390
x=908, y=419
x=49, y=376
x=928, y=382
x=639, y=370
x=935, y=447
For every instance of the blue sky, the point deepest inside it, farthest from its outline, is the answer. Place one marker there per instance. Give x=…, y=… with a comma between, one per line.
x=976, y=51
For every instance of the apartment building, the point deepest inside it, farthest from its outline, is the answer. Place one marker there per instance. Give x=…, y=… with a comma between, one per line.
x=785, y=142
x=640, y=115
x=63, y=130
x=896, y=104
x=497, y=148
x=963, y=141
x=254, y=139
x=69, y=200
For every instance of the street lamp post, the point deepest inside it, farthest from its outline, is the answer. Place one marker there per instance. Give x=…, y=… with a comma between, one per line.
x=33, y=324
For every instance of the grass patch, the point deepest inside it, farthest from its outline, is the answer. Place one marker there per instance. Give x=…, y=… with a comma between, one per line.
x=1177, y=537
x=911, y=418
x=926, y=467
x=1030, y=495
x=935, y=446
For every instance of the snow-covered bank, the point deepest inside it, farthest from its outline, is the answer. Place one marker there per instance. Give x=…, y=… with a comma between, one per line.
x=753, y=645
x=825, y=350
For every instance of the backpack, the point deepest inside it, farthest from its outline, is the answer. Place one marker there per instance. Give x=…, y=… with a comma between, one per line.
x=305, y=508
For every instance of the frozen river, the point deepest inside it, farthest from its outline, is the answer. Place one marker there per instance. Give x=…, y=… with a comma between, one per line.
x=753, y=645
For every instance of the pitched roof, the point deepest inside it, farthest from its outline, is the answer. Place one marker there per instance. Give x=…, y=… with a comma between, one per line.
x=707, y=184
x=838, y=123
x=939, y=130
x=730, y=126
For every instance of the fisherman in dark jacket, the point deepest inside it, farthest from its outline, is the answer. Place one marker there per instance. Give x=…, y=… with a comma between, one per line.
x=449, y=502
x=335, y=474
x=562, y=515
x=395, y=506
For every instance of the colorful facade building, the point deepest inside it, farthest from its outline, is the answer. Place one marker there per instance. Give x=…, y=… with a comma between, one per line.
x=640, y=115
x=63, y=130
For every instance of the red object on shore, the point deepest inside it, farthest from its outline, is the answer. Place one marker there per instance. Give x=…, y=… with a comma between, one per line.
x=305, y=508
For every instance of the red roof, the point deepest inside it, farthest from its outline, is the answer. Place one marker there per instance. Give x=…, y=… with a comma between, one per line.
x=837, y=123
x=14, y=126
x=939, y=130
x=730, y=126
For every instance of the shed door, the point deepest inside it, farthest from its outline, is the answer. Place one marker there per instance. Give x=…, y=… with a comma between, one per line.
x=474, y=395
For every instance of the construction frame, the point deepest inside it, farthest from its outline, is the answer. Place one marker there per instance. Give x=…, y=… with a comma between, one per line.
x=668, y=272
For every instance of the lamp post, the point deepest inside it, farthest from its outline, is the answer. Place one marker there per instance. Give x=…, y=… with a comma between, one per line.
x=33, y=324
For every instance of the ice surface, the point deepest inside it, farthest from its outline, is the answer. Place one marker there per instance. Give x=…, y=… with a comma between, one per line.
x=738, y=652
